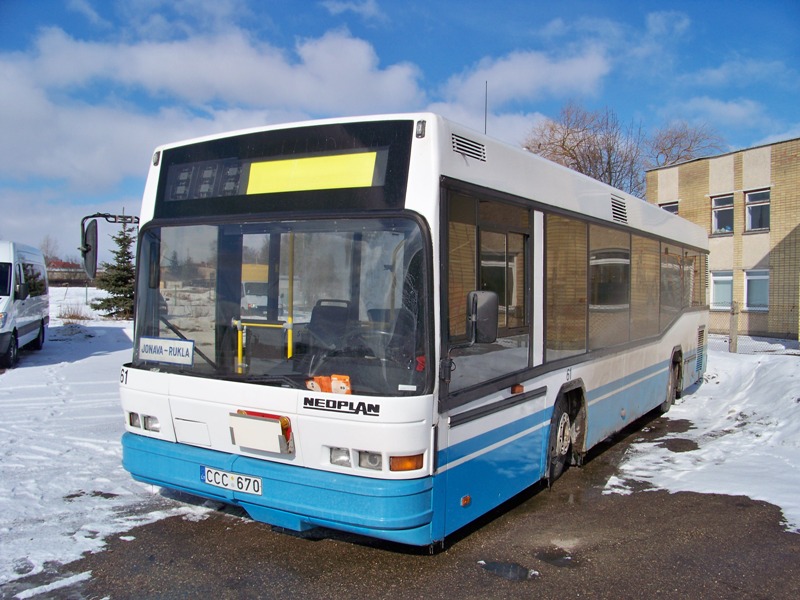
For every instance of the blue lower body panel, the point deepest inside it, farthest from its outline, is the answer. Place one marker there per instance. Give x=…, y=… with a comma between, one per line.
x=293, y=497
x=617, y=404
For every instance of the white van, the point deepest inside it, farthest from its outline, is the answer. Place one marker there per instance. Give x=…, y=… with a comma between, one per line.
x=254, y=298
x=24, y=300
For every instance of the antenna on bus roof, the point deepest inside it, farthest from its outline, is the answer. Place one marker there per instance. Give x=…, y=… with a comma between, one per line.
x=485, y=106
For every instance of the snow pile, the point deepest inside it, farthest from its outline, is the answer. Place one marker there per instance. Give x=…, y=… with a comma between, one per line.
x=745, y=426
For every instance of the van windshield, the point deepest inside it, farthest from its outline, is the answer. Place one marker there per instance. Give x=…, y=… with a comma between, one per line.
x=5, y=279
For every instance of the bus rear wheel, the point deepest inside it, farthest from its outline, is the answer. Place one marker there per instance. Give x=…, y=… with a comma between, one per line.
x=559, y=447
x=673, y=385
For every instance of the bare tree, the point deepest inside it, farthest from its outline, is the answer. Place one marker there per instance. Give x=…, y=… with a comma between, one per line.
x=679, y=142
x=596, y=144
x=49, y=248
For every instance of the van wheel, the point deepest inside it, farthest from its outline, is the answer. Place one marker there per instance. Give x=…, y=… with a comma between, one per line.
x=9, y=359
x=560, y=444
x=39, y=341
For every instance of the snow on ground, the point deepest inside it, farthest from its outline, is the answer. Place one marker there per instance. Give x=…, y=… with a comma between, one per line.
x=62, y=485
x=745, y=428
x=63, y=489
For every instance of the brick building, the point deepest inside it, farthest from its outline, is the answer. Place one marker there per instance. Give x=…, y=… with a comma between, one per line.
x=749, y=202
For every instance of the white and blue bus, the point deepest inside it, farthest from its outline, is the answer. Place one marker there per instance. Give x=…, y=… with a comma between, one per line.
x=447, y=320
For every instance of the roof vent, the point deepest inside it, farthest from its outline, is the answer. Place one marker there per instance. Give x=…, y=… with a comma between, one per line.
x=467, y=147
x=619, y=210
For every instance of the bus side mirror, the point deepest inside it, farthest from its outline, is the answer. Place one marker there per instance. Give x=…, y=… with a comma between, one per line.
x=89, y=247
x=482, y=311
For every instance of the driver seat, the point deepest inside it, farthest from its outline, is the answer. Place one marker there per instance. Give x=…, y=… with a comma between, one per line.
x=328, y=321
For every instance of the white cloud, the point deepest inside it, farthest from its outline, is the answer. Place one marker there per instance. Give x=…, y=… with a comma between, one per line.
x=366, y=9
x=651, y=52
x=84, y=8
x=196, y=86
x=526, y=76
x=789, y=132
x=744, y=73
x=636, y=47
x=342, y=74
x=739, y=119
x=174, y=19
x=28, y=216
x=554, y=28
x=636, y=51
x=667, y=24
x=735, y=114
x=329, y=74
x=583, y=29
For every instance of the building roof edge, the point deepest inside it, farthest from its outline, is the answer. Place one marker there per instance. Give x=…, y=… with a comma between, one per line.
x=691, y=160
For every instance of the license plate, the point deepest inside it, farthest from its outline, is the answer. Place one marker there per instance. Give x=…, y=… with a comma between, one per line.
x=231, y=481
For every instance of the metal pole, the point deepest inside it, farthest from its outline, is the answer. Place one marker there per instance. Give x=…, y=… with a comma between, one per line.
x=733, y=334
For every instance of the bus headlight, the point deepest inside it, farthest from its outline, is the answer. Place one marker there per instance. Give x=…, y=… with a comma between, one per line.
x=151, y=423
x=340, y=457
x=370, y=460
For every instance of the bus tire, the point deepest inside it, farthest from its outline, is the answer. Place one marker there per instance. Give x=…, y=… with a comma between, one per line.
x=560, y=443
x=9, y=359
x=673, y=385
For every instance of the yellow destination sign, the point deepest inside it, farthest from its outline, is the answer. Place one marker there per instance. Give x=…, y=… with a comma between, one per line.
x=313, y=173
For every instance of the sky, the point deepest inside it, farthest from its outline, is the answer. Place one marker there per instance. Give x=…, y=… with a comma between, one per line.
x=63, y=490
x=88, y=88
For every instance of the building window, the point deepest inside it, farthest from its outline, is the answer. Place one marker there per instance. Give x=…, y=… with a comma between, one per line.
x=756, y=289
x=757, y=205
x=722, y=214
x=670, y=207
x=721, y=290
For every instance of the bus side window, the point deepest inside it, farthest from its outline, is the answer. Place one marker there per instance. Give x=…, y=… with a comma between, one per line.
x=488, y=244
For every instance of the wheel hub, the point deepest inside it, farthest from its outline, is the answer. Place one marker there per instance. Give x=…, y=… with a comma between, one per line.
x=563, y=435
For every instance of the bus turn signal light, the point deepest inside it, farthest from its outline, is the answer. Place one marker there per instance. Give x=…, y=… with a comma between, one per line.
x=405, y=463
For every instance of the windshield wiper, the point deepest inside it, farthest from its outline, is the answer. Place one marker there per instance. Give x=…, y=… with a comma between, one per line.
x=178, y=332
x=277, y=380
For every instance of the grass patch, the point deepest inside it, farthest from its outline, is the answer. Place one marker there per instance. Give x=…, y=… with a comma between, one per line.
x=73, y=313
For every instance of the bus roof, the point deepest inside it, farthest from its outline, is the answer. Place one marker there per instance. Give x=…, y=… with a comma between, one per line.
x=444, y=148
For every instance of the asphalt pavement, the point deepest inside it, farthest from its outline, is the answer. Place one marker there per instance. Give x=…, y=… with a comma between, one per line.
x=572, y=541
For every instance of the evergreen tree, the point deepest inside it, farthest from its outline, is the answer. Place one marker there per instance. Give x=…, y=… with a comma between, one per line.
x=118, y=278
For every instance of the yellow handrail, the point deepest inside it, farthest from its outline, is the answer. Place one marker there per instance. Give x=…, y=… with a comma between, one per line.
x=241, y=325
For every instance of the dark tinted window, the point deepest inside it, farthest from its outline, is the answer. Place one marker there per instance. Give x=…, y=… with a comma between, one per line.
x=5, y=279
x=36, y=279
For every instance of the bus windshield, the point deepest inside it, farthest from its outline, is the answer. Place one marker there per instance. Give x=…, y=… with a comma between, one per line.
x=327, y=305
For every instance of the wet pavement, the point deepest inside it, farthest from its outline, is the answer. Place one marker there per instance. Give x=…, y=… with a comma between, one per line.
x=569, y=542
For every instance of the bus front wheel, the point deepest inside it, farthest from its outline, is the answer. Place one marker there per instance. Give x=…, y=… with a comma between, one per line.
x=559, y=447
